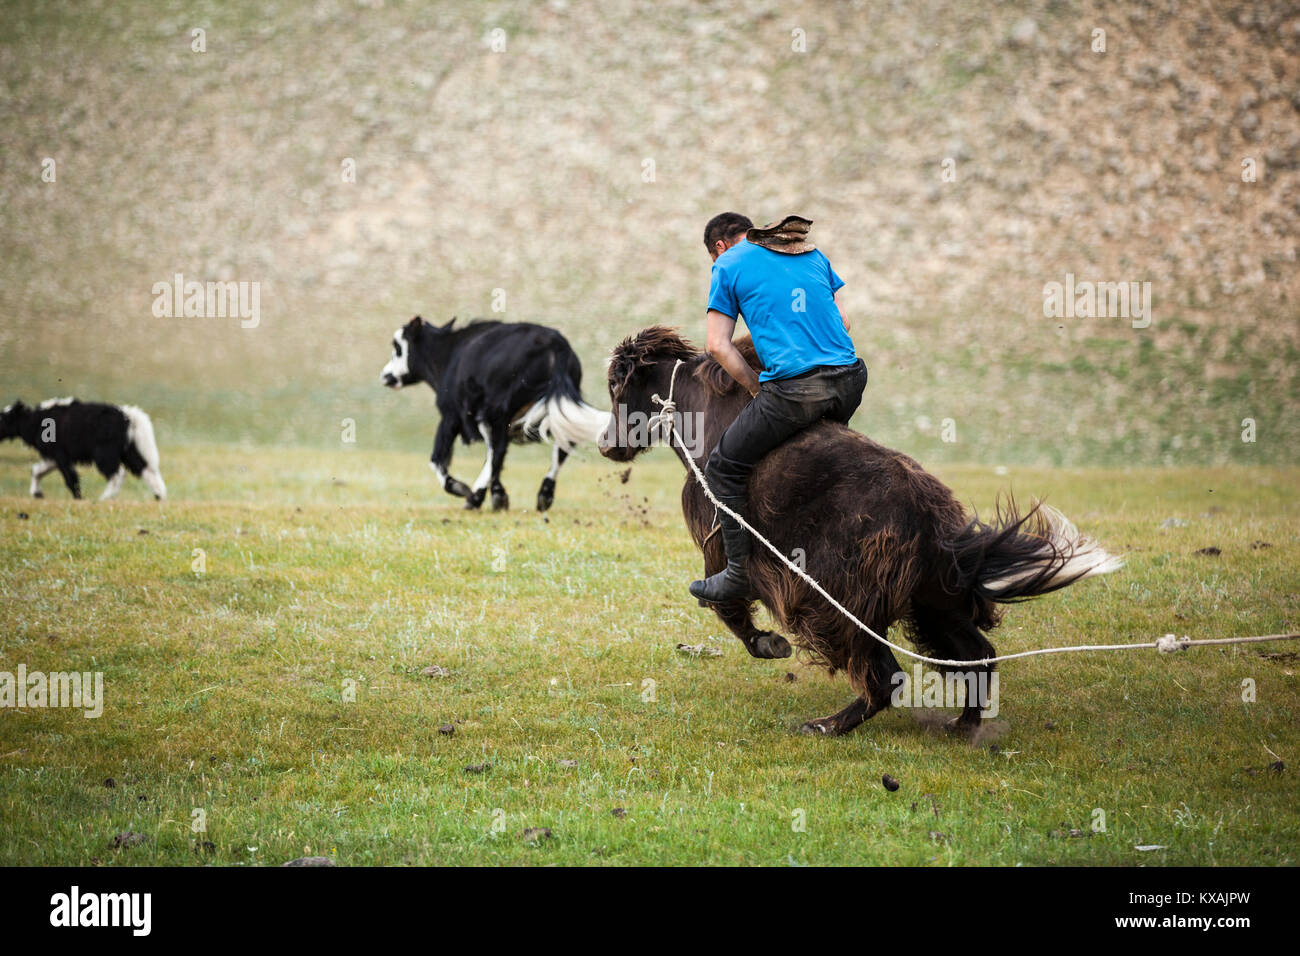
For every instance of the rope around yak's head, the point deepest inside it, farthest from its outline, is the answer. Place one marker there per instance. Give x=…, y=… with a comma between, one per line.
x=1168, y=644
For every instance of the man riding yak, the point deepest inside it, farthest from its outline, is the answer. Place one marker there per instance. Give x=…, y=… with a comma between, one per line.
x=788, y=295
x=889, y=540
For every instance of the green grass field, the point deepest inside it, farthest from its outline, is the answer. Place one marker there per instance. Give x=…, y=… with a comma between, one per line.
x=280, y=690
x=263, y=635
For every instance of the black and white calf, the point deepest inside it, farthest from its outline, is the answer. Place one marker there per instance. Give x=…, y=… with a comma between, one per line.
x=66, y=433
x=496, y=382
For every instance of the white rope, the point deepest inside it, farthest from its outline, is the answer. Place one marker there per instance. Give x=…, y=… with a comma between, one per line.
x=1168, y=644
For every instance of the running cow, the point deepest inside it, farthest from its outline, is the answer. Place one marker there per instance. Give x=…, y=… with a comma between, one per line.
x=496, y=382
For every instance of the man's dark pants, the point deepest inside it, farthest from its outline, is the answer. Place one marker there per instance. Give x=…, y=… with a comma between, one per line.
x=782, y=408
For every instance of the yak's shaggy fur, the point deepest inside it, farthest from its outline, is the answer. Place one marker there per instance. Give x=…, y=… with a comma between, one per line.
x=875, y=529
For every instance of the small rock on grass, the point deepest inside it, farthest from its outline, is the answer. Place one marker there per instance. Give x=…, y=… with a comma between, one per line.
x=619, y=812
x=478, y=768
x=568, y=764
x=123, y=840
x=890, y=783
x=435, y=670
x=536, y=834
x=1210, y=552
x=310, y=861
x=447, y=729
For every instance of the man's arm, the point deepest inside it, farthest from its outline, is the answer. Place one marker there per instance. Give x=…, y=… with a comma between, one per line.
x=843, y=318
x=724, y=351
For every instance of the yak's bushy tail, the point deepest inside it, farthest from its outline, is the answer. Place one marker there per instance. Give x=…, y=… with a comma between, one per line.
x=562, y=417
x=1019, y=557
x=139, y=434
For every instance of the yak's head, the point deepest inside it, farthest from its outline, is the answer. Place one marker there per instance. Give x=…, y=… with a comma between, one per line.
x=639, y=368
x=11, y=420
x=412, y=345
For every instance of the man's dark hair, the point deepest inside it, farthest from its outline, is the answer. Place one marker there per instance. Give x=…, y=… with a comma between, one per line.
x=723, y=226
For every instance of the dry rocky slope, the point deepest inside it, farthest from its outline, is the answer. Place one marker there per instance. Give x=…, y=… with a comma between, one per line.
x=573, y=170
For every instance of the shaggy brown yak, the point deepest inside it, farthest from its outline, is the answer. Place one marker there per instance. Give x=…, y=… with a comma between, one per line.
x=876, y=530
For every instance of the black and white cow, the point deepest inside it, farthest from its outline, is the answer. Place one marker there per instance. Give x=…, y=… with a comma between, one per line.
x=496, y=382
x=66, y=432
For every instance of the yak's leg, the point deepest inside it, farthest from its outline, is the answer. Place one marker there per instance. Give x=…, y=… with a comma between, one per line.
x=479, y=489
x=498, y=439
x=840, y=722
x=39, y=471
x=114, y=484
x=874, y=680
x=546, y=493
x=69, y=473
x=765, y=645
x=949, y=634
x=980, y=687
x=440, y=461
x=109, y=463
x=150, y=475
x=153, y=478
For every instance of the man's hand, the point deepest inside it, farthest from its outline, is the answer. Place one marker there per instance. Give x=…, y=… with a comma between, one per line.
x=843, y=318
x=724, y=351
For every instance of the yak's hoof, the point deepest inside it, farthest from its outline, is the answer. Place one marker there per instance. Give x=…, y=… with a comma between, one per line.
x=963, y=724
x=475, y=499
x=546, y=494
x=38, y=494
x=770, y=646
x=500, y=501
x=458, y=488
x=818, y=728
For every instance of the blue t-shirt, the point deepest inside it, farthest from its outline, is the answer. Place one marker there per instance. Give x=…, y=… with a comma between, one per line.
x=788, y=303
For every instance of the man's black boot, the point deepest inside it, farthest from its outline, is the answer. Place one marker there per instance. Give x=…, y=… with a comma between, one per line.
x=732, y=582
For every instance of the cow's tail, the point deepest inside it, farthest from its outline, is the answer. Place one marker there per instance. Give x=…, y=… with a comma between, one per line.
x=139, y=435
x=1019, y=557
x=561, y=417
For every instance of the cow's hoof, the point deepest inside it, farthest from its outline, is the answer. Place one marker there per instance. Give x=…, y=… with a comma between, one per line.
x=474, y=500
x=770, y=646
x=38, y=494
x=546, y=494
x=457, y=488
x=500, y=501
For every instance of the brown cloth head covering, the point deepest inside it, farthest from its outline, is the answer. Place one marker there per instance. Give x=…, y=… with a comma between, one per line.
x=790, y=236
